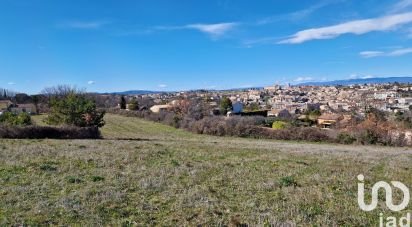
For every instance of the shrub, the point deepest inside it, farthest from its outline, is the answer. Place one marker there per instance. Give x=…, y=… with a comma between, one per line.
x=345, y=138
x=288, y=181
x=75, y=109
x=21, y=119
x=133, y=104
x=225, y=105
x=43, y=132
x=279, y=125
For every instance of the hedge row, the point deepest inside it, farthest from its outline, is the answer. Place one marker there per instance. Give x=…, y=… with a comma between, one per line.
x=43, y=132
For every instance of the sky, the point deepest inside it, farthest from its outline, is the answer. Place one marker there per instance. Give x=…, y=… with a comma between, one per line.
x=170, y=45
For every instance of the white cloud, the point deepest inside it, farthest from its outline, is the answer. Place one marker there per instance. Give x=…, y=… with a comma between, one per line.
x=400, y=52
x=162, y=85
x=215, y=30
x=367, y=77
x=394, y=53
x=371, y=54
x=356, y=76
x=11, y=83
x=300, y=14
x=90, y=82
x=302, y=79
x=401, y=5
x=357, y=27
x=84, y=24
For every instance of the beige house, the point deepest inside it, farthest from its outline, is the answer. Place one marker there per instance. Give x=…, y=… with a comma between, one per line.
x=328, y=120
x=5, y=105
x=279, y=113
x=158, y=108
x=23, y=108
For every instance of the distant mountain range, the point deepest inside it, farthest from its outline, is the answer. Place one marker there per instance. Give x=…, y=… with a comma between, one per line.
x=376, y=80
x=135, y=92
x=145, y=92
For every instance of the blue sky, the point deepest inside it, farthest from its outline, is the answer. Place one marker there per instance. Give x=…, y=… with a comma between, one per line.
x=187, y=44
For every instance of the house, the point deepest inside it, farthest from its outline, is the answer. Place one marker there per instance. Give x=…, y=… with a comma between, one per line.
x=328, y=120
x=5, y=104
x=158, y=108
x=23, y=108
x=279, y=113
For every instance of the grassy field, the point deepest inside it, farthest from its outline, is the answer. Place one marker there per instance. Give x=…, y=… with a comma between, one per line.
x=145, y=173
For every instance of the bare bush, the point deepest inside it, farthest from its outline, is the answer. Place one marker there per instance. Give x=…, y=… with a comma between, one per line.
x=41, y=132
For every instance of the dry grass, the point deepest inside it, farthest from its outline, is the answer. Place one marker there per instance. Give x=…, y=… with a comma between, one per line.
x=157, y=175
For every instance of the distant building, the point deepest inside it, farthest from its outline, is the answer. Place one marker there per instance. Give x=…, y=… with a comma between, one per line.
x=328, y=120
x=158, y=108
x=5, y=105
x=273, y=88
x=279, y=113
x=23, y=108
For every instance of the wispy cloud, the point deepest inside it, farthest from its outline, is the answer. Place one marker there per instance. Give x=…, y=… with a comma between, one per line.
x=261, y=41
x=214, y=30
x=11, y=83
x=394, y=53
x=91, y=82
x=84, y=24
x=162, y=85
x=303, y=79
x=357, y=27
x=371, y=54
x=356, y=76
x=401, y=6
x=300, y=14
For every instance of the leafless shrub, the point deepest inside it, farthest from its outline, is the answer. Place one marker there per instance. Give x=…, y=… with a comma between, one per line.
x=42, y=132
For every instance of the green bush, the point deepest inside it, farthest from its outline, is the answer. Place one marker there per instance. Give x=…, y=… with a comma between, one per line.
x=76, y=110
x=133, y=104
x=288, y=181
x=21, y=119
x=225, y=105
x=345, y=138
x=279, y=125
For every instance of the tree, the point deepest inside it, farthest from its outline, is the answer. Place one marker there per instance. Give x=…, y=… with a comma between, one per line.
x=123, y=103
x=253, y=107
x=225, y=105
x=133, y=104
x=23, y=98
x=75, y=109
x=36, y=100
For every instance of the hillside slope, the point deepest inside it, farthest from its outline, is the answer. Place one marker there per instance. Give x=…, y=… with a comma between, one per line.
x=149, y=174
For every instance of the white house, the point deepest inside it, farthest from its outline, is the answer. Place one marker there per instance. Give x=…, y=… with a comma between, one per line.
x=158, y=108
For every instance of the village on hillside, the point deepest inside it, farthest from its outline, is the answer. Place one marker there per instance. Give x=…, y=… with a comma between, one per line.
x=333, y=104
x=330, y=104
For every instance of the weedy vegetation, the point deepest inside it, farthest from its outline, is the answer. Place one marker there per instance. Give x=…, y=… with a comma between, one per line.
x=144, y=173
